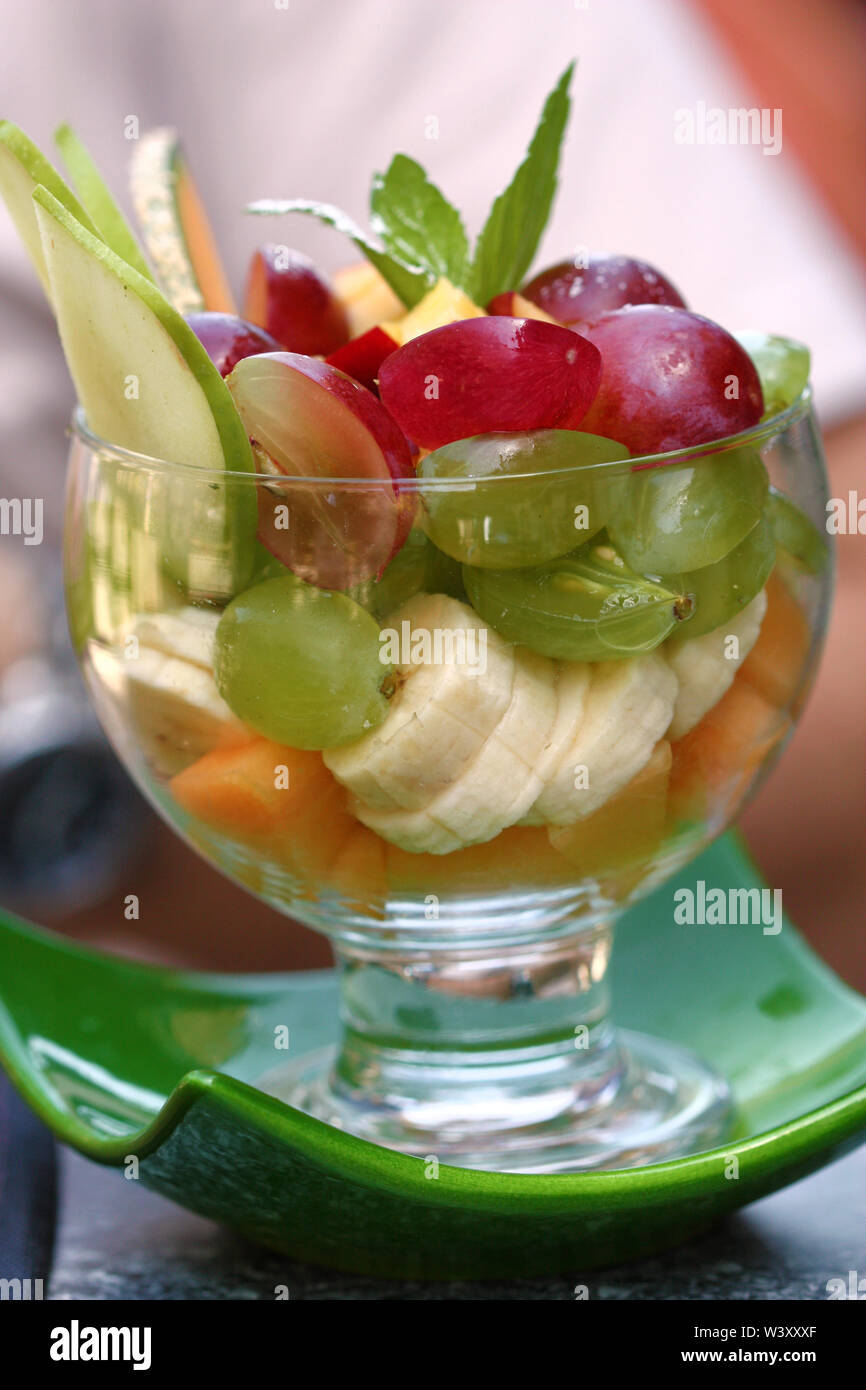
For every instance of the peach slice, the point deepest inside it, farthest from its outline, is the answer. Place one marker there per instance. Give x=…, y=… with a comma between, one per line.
x=444, y=304
x=366, y=297
x=515, y=306
x=359, y=870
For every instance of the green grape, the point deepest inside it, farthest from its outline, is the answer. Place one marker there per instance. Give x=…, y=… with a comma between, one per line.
x=782, y=364
x=417, y=566
x=796, y=534
x=444, y=574
x=493, y=516
x=587, y=606
x=680, y=517
x=402, y=577
x=301, y=665
x=718, y=592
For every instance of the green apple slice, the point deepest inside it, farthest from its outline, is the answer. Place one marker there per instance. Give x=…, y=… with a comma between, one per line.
x=146, y=383
x=22, y=167
x=99, y=201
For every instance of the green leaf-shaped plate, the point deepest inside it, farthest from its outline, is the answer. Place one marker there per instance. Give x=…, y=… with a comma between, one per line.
x=123, y=1059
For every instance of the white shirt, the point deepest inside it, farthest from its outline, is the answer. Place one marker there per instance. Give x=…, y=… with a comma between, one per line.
x=311, y=98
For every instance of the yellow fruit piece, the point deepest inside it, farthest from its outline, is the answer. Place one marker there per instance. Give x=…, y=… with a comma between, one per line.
x=443, y=304
x=525, y=309
x=627, y=829
x=366, y=297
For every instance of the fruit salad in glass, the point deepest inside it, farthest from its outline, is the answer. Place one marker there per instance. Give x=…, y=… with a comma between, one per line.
x=449, y=607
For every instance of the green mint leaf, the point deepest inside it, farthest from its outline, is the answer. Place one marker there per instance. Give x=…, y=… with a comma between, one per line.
x=409, y=282
x=416, y=223
x=517, y=219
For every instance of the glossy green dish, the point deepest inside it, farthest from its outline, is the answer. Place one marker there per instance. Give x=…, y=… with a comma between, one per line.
x=126, y=1060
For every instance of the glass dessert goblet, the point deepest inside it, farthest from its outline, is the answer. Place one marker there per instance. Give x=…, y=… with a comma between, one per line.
x=458, y=723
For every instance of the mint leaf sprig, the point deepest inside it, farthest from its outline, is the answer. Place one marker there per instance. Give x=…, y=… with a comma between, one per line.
x=409, y=282
x=422, y=234
x=416, y=223
x=511, y=234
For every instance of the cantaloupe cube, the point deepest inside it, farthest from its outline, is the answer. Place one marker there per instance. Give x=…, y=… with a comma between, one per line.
x=520, y=856
x=775, y=665
x=714, y=764
x=358, y=872
x=627, y=829
x=239, y=791
x=280, y=801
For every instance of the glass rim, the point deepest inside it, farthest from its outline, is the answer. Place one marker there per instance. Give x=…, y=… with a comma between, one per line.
x=755, y=437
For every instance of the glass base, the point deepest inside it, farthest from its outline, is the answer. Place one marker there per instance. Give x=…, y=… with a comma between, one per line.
x=637, y=1100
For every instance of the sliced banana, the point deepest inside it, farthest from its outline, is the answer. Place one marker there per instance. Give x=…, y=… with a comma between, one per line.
x=572, y=682
x=617, y=723
x=497, y=786
x=178, y=712
x=163, y=668
x=705, y=667
x=173, y=706
x=188, y=633
x=441, y=713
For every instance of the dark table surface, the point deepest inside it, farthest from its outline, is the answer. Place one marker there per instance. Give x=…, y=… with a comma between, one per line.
x=116, y=1240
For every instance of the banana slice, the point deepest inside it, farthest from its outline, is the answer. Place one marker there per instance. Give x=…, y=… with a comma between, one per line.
x=177, y=710
x=497, y=786
x=443, y=710
x=706, y=666
x=187, y=633
x=616, y=724
x=462, y=756
x=173, y=706
x=573, y=680
x=167, y=676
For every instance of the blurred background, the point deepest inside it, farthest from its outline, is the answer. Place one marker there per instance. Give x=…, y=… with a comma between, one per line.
x=302, y=98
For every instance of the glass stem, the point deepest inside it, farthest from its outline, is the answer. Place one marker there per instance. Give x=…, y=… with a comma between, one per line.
x=474, y=1041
